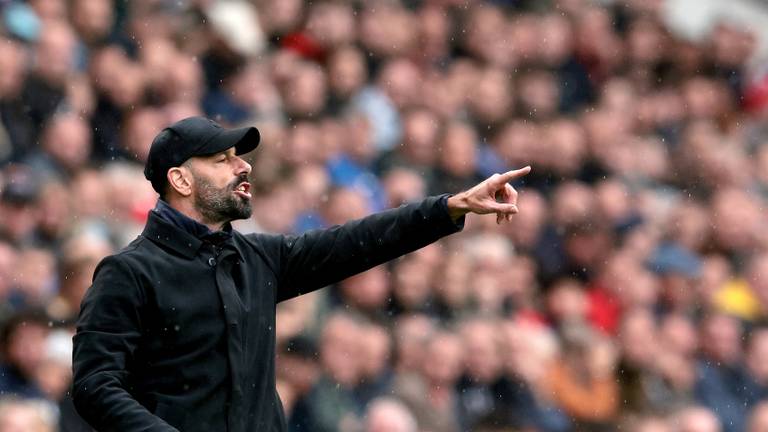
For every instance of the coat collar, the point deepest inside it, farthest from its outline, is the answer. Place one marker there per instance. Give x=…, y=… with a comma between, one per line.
x=166, y=234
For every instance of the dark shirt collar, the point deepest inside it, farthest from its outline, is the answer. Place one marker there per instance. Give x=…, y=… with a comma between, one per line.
x=191, y=226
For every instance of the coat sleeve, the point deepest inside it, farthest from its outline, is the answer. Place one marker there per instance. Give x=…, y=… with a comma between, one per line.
x=321, y=257
x=108, y=332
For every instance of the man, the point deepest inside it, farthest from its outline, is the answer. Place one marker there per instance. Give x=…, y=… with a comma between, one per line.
x=177, y=330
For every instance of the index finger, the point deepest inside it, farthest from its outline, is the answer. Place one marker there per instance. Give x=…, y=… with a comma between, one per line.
x=514, y=174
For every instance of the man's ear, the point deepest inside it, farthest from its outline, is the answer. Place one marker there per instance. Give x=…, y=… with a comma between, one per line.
x=180, y=180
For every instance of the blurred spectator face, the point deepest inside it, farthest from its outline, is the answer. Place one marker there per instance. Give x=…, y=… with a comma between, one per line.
x=556, y=39
x=25, y=347
x=359, y=139
x=91, y=196
x=92, y=19
x=300, y=372
x=305, y=92
x=678, y=334
x=158, y=55
x=49, y=10
x=715, y=273
x=55, y=210
x=347, y=71
x=389, y=415
x=757, y=355
x=459, y=150
x=340, y=349
x=300, y=147
x=566, y=149
x=400, y=80
x=184, y=81
x=697, y=419
x=527, y=43
x=706, y=98
x=646, y=42
x=619, y=95
x=54, y=376
x=484, y=27
x=758, y=419
x=613, y=201
x=403, y=185
x=344, y=205
x=639, y=338
x=276, y=210
x=368, y=290
x=491, y=99
x=26, y=416
x=387, y=29
x=733, y=46
x=538, y=95
x=435, y=28
x=525, y=228
x=596, y=39
x=519, y=143
x=690, y=225
x=586, y=243
x=651, y=425
x=140, y=129
x=55, y=52
x=376, y=351
x=13, y=64
x=736, y=218
x=280, y=18
x=67, y=139
x=35, y=275
x=482, y=356
x=721, y=339
x=453, y=281
x=567, y=302
x=80, y=255
x=331, y=24
x=530, y=350
x=445, y=353
x=572, y=202
x=420, y=131
x=412, y=284
x=411, y=334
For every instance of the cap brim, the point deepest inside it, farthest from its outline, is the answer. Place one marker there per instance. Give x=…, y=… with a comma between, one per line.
x=243, y=140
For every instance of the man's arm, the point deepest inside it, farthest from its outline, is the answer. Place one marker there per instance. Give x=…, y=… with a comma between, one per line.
x=108, y=331
x=321, y=257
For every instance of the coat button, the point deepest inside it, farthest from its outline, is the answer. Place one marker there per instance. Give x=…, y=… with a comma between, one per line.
x=212, y=261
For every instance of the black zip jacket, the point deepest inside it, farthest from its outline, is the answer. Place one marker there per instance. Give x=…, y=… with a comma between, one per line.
x=179, y=334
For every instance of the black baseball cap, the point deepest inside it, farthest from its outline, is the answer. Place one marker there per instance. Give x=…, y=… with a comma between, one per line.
x=193, y=136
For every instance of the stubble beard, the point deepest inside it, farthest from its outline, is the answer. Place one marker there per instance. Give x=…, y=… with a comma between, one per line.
x=220, y=205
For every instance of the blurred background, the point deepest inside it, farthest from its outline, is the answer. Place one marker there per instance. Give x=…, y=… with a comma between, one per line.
x=630, y=293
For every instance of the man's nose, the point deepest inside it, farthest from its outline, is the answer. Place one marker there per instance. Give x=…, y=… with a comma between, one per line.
x=243, y=166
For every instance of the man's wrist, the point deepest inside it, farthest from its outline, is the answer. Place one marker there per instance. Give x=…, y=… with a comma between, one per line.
x=457, y=206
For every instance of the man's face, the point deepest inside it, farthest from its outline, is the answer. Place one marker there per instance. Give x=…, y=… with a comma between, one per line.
x=221, y=188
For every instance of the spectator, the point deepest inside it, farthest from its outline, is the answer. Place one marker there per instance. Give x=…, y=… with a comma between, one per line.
x=387, y=415
x=23, y=341
x=697, y=419
x=26, y=415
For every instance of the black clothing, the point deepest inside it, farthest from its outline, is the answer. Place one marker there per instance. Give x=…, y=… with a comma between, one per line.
x=178, y=333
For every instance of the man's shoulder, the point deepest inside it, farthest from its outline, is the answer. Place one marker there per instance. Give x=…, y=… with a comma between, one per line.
x=131, y=255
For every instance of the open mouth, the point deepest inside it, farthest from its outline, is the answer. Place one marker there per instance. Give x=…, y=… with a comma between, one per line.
x=244, y=190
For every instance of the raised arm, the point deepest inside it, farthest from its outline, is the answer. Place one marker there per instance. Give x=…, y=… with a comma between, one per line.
x=108, y=331
x=321, y=257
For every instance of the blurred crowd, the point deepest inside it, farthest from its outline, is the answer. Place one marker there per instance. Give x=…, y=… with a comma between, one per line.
x=630, y=293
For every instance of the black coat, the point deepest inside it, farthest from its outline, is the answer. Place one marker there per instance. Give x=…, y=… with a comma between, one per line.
x=178, y=334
